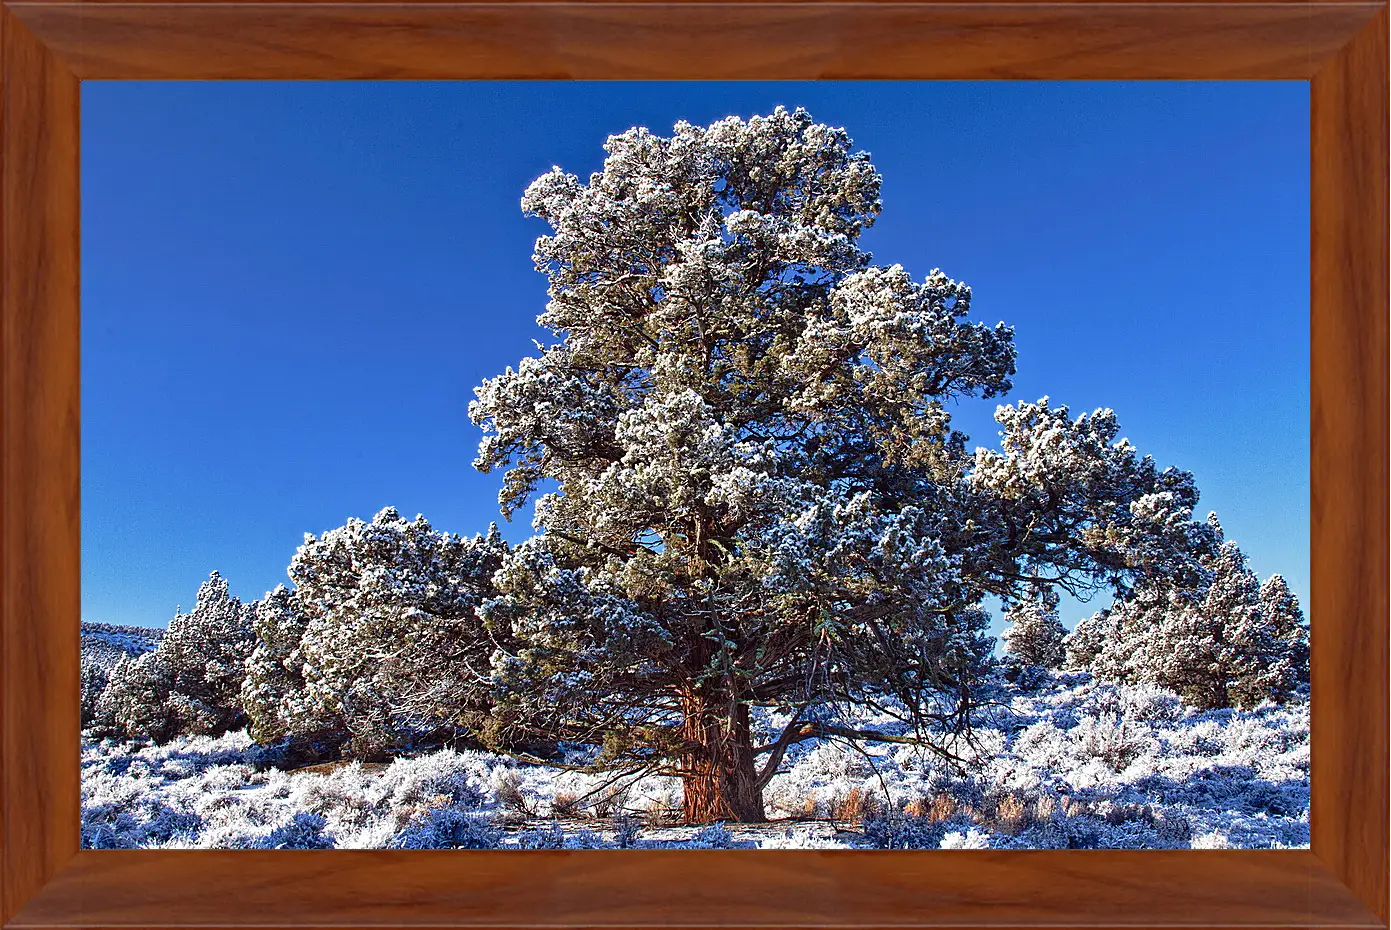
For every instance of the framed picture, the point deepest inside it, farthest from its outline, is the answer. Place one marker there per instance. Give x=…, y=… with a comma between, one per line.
x=50, y=879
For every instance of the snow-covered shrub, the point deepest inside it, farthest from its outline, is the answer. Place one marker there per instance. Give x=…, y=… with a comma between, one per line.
x=585, y=839
x=457, y=778
x=893, y=829
x=304, y=831
x=449, y=828
x=1113, y=740
x=627, y=829
x=714, y=836
x=799, y=839
x=378, y=643
x=549, y=837
x=191, y=682
x=1173, y=830
x=1148, y=704
x=970, y=838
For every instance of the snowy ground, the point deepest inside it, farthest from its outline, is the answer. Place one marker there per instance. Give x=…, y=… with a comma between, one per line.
x=104, y=643
x=1073, y=765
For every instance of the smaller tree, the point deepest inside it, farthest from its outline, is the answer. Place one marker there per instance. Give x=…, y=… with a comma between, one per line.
x=1035, y=634
x=94, y=678
x=1084, y=644
x=378, y=644
x=1290, y=630
x=1227, y=641
x=135, y=702
x=191, y=682
x=273, y=693
x=207, y=650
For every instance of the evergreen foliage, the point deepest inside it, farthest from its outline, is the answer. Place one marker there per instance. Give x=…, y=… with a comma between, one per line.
x=190, y=684
x=1035, y=633
x=1226, y=641
x=378, y=645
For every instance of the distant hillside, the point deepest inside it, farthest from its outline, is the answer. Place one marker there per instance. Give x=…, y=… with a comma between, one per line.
x=104, y=643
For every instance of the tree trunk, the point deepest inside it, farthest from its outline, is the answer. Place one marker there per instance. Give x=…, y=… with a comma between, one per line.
x=719, y=779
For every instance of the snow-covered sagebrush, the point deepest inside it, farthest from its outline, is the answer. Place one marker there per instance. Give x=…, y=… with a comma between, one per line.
x=1074, y=764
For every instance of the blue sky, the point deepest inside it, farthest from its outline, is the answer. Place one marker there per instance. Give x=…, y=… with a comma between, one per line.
x=289, y=290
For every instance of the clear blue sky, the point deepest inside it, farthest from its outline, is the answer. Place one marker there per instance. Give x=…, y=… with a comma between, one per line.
x=289, y=290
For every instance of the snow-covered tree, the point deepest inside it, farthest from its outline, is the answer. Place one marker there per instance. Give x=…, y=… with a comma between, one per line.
x=94, y=678
x=207, y=650
x=1086, y=641
x=1289, y=629
x=191, y=682
x=760, y=499
x=1227, y=641
x=1035, y=634
x=273, y=693
x=378, y=643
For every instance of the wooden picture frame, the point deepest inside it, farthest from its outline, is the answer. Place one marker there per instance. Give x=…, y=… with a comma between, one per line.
x=47, y=47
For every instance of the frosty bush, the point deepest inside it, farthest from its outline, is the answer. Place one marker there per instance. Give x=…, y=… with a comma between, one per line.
x=304, y=831
x=893, y=829
x=1227, y=641
x=627, y=829
x=378, y=644
x=715, y=836
x=449, y=828
x=551, y=837
x=970, y=838
x=191, y=682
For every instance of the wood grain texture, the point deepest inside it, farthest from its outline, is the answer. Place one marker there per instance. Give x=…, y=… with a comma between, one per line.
x=1348, y=458
x=750, y=888
x=39, y=470
x=334, y=41
x=46, y=45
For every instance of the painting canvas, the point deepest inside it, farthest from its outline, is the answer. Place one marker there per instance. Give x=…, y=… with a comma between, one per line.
x=834, y=465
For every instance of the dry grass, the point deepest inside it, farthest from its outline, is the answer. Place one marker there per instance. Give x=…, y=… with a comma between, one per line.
x=1075, y=808
x=565, y=804
x=940, y=806
x=1130, y=813
x=1014, y=813
x=609, y=800
x=856, y=805
x=852, y=807
x=659, y=815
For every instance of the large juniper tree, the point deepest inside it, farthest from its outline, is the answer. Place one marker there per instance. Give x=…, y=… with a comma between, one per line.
x=758, y=495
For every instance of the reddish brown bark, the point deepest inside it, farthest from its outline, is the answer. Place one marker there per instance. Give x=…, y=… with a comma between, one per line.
x=719, y=779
